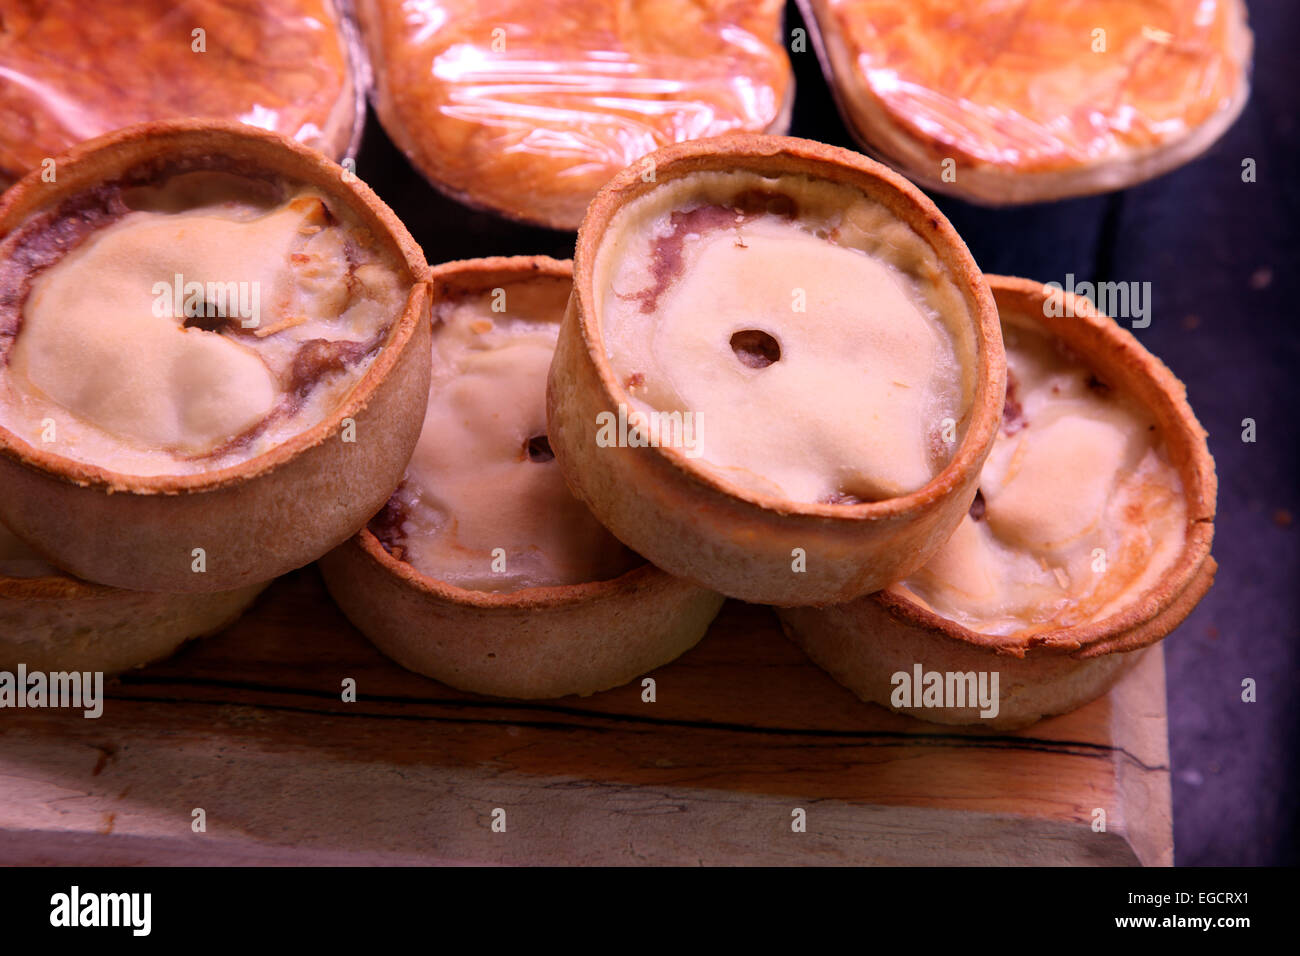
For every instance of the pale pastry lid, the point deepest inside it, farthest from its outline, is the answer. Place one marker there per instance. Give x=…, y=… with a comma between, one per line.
x=709, y=522
x=756, y=302
x=484, y=507
x=1097, y=500
x=236, y=310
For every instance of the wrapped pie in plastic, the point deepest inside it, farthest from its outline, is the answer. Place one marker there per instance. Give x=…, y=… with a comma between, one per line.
x=71, y=74
x=1020, y=102
x=527, y=108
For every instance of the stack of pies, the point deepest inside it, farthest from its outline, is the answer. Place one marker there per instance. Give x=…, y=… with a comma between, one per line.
x=248, y=386
x=1021, y=102
x=70, y=75
x=527, y=108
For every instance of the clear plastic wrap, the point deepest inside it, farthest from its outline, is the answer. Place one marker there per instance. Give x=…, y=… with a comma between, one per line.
x=527, y=107
x=69, y=72
x=1017, y=102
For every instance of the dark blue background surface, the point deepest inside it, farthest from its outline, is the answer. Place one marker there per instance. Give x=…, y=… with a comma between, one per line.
x=1220, y=255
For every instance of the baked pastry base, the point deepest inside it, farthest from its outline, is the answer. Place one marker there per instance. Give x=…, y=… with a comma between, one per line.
x=57, y=623
x=863, y=644
x=539, y=643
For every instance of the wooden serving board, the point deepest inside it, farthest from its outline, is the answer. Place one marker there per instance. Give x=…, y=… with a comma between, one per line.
x=250, y=726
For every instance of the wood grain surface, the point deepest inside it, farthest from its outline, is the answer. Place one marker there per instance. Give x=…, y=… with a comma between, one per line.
x=251, y=727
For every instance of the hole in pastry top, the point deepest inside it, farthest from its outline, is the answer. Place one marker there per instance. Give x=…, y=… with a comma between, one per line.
x=538, y=449
x=755, y=348
x=483, y=505
x=823, y=348
x=188, y=319
x=1079, y=511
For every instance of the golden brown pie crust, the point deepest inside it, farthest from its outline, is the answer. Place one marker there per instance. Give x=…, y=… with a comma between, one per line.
x=527, y=108
x=73, y=73
x=57, y=623
x=861, y=644
x=534, y=643
x=276, y=511
x=708, y=529
x=1038, y=99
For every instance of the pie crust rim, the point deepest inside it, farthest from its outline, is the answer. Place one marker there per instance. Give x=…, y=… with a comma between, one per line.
x=476, y=275
x=1146, y=618
x=82, y=166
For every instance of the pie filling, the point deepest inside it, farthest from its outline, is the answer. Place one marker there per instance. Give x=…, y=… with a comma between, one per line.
x=1079, y=510
x=799, y=328
x=189, y=325
x=483, y=505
